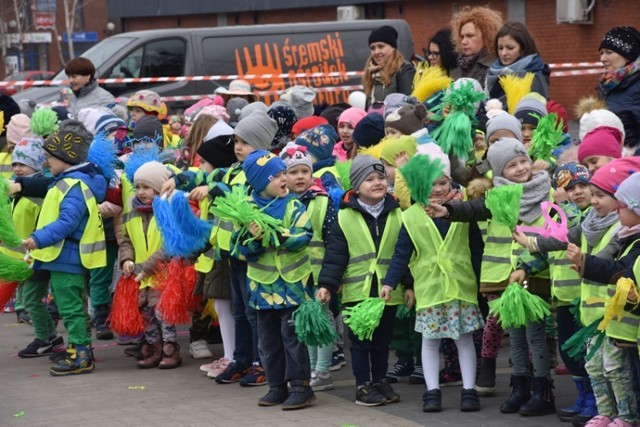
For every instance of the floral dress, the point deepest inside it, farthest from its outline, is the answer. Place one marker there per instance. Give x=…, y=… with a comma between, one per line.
x=448, y=320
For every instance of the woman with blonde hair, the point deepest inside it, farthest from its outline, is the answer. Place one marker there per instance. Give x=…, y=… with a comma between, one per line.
x=386, y=70
x=474, y=31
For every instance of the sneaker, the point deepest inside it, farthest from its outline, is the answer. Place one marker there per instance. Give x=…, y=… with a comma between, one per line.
x=619, y=422
x=402, y=368
x=254, y=376
x=78, y=360
x=417, y=377
x=450, y=379
x=23, y=317
x=10, y=307
x=199, y=350
x=385, y=389
x=368, y=395
x=469, y=400
x=57, y=357
x=599, y=421
x=300, y=395
x=103, y=333
x=275, y=396
x=432, y=400
x=129, y=339
x=322, y=381
x=36, y=348
x=135, y=351
x=209, y=366
x=222, y=365
x=56, y=341
x=337, y=361
x=232, y=374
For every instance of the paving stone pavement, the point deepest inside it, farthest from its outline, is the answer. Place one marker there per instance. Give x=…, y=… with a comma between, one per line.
x=119, y=394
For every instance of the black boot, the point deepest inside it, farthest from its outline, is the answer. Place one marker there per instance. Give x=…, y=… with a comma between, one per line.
x=101, y=314
x=519, y=395
x=486, y=383
x=542, y=401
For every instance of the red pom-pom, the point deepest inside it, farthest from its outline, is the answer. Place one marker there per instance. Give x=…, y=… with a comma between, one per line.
x=125, y=317
x=173, y=300
x=7, y=289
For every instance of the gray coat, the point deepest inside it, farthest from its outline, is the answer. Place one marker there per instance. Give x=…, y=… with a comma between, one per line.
x=478, y=71
x=90, y=96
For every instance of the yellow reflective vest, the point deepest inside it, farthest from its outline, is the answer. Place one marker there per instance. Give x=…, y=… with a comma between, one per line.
x=144, y=245
x=93, y=248
x=205, y=260
x=6, y=171
x=624, y=327
x=25, y=217
x=317, y=212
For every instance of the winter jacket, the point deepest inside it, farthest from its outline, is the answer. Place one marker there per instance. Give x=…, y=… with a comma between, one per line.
x=624, y=102
x=89, y=96
x=478, y=71
x=401, y=82
x=71, y=221
x=603, y=270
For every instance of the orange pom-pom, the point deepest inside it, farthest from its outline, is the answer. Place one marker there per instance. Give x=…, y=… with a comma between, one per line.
x=125, y=317
x=173, y=300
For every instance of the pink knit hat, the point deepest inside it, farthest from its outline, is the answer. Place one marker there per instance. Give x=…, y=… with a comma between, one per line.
x=216, y=111
x=601, y=141
x=352, y=116
x=18, y=128
x=609, y=177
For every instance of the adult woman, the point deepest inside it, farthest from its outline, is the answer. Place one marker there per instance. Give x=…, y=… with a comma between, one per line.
x=620, y=83
x=87, y=93
x=441, y=52
x=517, y=54
x=474, y=31
x=386, y=70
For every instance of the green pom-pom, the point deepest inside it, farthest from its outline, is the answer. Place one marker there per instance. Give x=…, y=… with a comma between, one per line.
x=8, y=233
x=504, y=204
x=44, y=121
x=420, y=172
x=546, y=137
x=363, y=318
x=13, y=270
x=454, y=135
x=517, y=307
x=343, y=169
x=404, y=312
x=575, y=346
x=312, y=324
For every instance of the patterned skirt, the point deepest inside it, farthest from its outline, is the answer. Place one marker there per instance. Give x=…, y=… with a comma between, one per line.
x=449, y=320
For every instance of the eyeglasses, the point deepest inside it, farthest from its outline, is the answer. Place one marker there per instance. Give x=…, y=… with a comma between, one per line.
x=432, y=53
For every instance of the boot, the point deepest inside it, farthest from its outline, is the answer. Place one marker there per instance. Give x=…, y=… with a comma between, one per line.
x=78, y=360
x=275, y=396
x=432, y=400
x=469, y=400
x=542, y=401
x=101, y=314
x=300, y=395
x=589, y=407
x=486, y=384
x=171, y=356
x=519, y=395
x=152, y=355
x=566, y=414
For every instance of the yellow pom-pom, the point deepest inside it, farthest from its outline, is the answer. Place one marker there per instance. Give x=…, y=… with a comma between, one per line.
x=515, y=88
x=429, y=80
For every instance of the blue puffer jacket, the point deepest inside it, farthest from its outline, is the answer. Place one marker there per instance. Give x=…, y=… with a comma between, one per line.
x=72, y=220
x=624, y=102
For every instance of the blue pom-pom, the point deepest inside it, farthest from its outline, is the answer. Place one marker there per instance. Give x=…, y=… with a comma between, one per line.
x=173, y=242
x=194, y=231
x=103, y=154
x=335, y=194
x=138, y=157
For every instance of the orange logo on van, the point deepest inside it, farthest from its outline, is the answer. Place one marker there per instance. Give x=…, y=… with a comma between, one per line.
x=322, y=56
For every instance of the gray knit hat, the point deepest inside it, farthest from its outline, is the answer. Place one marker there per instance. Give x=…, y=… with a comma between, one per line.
x=531, y=108
x=257, y=130
x=629, y=192
x=70, y=143
x=504, y=121
x=504, y=150
x=153, y=174
x=30, y=152
x=361, y=167
x=248, y=109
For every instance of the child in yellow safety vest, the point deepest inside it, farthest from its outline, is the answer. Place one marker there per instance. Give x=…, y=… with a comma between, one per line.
x=441, y=258
x=69, y=239
x=278, y=273
x=356, y=261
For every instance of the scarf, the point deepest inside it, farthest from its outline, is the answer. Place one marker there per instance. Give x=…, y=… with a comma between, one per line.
x=530, y=63
x=610, y=80
x=373, y=210
x=139, y=206
x=594, y=226
x=466, y=63
x=274, y=207
x=534, y=192
x=625, y=231
x=454, y=195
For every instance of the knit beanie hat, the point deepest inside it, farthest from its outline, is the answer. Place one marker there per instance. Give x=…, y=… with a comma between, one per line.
x=90, y=116
x=602, y=141
x=385, y=34
x=352, y=116
x=29, y=152
x=609, y=177
x=148, y=100
x=504, y=121
x=530, y=108
x=61, y=112
x=554, y=107
x=250, y=108
x=407, y=119
x=261, y=167
x=108, y=123
x=301, y=100
x=294, y=155
x=148, y=129
x=392, y=102
x=216, y=111
x=591, y=120
x=234, y=107
x=18, y=127
x=629, y=192
x=308, y=123
x=218, y=128
x=504, y=150
x=218, y=151
x=195, y=108
x=624, y=41
x=361, y=167
x=70, y=143
x=433, y=151
x=333, y=112
x=369, y=131
x=570, y=174
x=257, y=130
x=153, y=174
x=319, y=141
x=405, y=143
x=285, y=117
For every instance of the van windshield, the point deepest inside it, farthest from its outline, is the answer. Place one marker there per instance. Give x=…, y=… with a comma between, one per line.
x=101, y=52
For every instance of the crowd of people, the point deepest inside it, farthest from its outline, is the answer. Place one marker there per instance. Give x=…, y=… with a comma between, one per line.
x=383, y=199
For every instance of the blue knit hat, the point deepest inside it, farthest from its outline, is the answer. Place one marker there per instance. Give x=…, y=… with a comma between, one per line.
x=319, y=141
x=570, y=174
x=369, y=131
x=261, y=167
x=109, y=123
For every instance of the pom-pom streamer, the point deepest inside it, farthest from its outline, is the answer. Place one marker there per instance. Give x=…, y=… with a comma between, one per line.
x=517, y=307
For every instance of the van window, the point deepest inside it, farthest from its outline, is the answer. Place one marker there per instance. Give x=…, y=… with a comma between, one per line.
x=164, y=58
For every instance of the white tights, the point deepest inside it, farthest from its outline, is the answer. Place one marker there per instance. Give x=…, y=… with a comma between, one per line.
x=227, y=326
x=466, y=356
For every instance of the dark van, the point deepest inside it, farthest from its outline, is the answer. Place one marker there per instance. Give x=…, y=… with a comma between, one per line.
x=277, y=49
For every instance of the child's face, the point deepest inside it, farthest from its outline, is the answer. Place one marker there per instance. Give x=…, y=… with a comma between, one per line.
x=602, y=202
x=56, y=166
x=373, y=189
x=500, y=133
x=241, y=148
x=205, y=166
x=628, y=218
x=345, y=131
x=527, y=133
x=22, y=170
x=277, y=187
x=145, y=193
x=299, y=179
x=441, y=187
x=392, y=133
x=593, y=163
x=579, y=194
x=136, y=113
x=517, y=170
x=391, y=172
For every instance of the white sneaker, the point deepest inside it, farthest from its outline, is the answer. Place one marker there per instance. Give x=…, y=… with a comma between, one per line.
x=322, y=381
x=199, y=350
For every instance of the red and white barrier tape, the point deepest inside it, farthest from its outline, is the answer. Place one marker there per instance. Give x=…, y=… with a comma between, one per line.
x=576, y=65
x=576, y=72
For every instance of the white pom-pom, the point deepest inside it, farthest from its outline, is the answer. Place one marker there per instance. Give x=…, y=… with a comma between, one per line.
x=493, y=104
